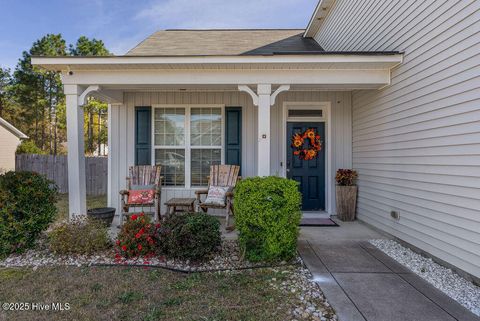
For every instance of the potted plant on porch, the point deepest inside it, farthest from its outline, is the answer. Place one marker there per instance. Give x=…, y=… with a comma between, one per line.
x=346, y=194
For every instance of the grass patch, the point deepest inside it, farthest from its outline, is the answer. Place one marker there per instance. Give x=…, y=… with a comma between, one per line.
x=106, y=293
x=92, y=202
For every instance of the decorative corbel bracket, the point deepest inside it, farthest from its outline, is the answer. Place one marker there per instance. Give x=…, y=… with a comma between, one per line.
x=249, y=91
x=280, y=89
x=109, y=96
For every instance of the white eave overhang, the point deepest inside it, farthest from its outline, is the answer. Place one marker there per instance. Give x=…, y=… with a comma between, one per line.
x=362, y=60
x=322, y=68
x=5, y=124
x=318, y=18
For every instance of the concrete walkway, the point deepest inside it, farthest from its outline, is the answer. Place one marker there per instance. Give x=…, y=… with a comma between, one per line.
x=364, y=284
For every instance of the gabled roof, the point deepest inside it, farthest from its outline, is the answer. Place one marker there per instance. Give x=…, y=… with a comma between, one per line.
x=220, y=42
x=5, y=124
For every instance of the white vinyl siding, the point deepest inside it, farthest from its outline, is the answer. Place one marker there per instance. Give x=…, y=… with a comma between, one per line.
x=8, y=146
x=416, y=143
x=122, y=145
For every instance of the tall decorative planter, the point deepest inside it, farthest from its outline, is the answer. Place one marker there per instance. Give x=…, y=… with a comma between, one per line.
x=346, y=194
x=346, y=202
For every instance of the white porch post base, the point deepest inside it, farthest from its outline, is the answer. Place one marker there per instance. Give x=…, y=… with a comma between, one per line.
x=263, y=162
x=76, y=154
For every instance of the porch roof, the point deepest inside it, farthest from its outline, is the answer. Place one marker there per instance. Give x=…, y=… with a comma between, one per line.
x=299, y=60
x=339, y=70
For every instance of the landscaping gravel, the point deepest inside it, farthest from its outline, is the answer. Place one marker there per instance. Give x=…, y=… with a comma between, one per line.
x=311, y=303
x=444, y=279
x=228, y=258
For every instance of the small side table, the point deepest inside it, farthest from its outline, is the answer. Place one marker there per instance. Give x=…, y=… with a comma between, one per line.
x=186, y=204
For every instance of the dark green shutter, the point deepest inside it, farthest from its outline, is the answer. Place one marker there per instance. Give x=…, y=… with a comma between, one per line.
x=143, y=135
x=233, y=136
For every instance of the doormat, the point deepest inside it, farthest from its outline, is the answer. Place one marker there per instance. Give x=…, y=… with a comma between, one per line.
x=317, y=222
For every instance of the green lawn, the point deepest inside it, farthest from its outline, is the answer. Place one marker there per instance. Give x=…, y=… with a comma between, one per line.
x=92, y=201
x=121, y=293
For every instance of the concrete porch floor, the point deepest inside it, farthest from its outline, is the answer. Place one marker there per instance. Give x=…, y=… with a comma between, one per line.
x=364, y=284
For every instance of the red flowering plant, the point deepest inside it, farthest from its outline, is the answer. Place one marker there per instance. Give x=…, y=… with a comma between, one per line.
x=137, y=238
x=346, y=177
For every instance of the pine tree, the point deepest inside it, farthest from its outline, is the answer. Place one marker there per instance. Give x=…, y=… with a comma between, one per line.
x=94, y=109
x=39, y=92
x=5, y=80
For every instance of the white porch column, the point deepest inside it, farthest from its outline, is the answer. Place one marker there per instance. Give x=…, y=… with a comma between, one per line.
x=263, y=99
x=263, y=163
x=76, y=153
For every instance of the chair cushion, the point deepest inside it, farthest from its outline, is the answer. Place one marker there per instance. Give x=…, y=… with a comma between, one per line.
x=142, y=187
x=144, y=196
x=217, y=195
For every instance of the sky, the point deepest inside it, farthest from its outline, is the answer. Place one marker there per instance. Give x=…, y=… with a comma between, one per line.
x=122, y=24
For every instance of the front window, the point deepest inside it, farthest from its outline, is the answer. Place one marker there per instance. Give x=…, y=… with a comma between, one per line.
x=188, y=140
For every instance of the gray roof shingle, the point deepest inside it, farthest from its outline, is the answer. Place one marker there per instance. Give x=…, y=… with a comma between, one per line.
x=225, y=43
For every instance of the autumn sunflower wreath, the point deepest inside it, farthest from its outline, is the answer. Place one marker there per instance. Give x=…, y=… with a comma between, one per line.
x=314, y=144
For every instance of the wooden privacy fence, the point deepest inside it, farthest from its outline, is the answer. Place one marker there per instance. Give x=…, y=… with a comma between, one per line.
x=55, y=168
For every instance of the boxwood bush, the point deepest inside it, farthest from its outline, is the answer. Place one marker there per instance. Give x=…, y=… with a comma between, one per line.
x=191, y=236
x=27, y=207
x=267, y=216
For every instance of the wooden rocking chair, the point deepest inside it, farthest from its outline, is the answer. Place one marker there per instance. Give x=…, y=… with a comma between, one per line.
x=142, y=175
x=221, y=175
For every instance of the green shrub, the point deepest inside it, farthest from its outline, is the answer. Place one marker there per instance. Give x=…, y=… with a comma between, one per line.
x=267, y=216
x=82, y=235
x=27, y=207
x=191, y=236
x=138, y=237
x=29, y=147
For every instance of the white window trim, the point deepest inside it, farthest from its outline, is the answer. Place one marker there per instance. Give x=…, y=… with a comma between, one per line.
x=327, y=119
x=188, y=147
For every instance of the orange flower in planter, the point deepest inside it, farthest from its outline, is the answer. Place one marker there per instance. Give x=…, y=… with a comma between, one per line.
x=346, y=177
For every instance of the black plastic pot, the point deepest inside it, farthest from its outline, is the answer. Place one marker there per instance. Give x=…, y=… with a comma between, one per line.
x=104, y=214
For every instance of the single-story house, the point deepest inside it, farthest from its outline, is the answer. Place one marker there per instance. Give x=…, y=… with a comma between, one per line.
x=10, y=138
x=391, y=88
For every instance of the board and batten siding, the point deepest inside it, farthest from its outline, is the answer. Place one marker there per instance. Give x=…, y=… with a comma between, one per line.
x=416, y=143
x=122, y=126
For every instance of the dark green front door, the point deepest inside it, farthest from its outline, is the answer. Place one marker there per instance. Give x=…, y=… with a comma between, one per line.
x=309, y=173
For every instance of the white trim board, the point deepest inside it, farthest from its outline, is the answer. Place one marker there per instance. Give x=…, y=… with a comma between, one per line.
x=385, y=60
x=327, y=119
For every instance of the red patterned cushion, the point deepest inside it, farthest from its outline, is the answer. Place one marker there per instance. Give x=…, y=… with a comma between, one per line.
x=144, y=196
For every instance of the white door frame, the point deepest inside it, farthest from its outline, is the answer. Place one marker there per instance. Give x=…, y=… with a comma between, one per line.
x=326, y=118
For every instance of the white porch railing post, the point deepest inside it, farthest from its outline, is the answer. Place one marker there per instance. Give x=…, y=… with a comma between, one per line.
x=76, y=153
x=263, y=162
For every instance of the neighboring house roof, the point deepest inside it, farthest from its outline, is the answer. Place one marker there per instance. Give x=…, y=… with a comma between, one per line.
x=234, y=42
x=5, y=124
